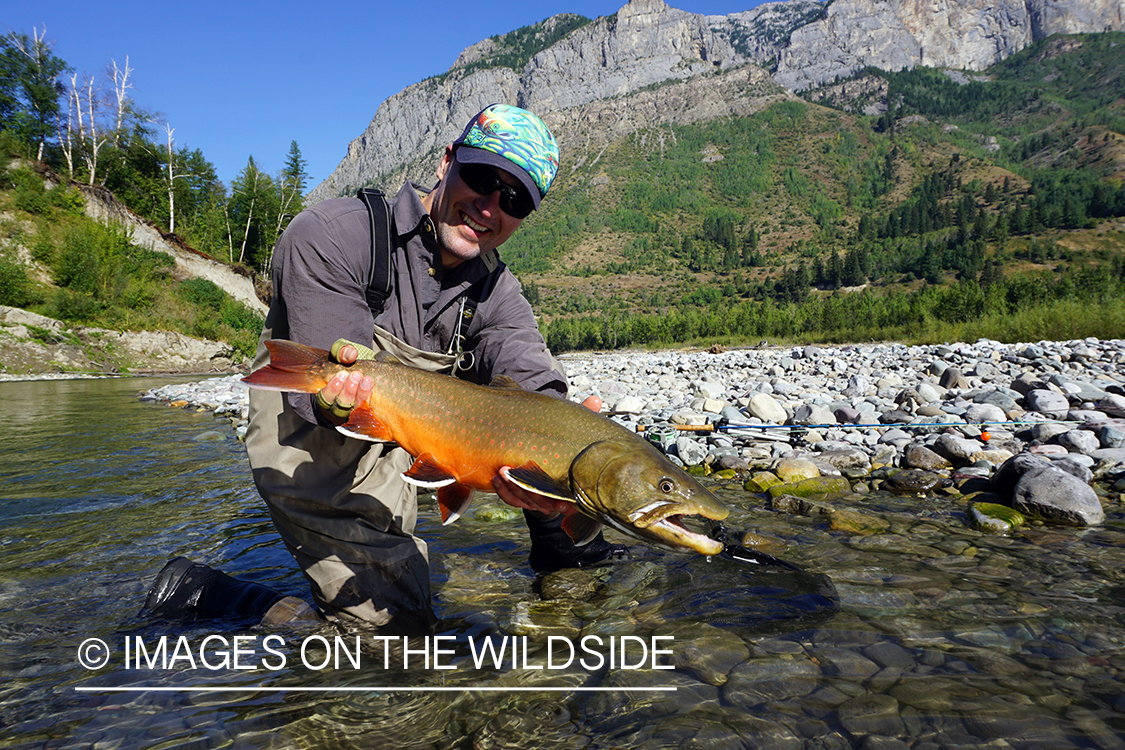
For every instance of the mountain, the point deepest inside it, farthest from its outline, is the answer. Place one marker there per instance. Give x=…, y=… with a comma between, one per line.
x=570, y=70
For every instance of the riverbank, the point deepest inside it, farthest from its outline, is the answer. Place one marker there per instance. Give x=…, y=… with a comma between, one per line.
x=35, y=347
x=814, y=422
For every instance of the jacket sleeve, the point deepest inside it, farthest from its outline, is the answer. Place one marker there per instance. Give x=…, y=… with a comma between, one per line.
x=319, y=274
x=509, y=343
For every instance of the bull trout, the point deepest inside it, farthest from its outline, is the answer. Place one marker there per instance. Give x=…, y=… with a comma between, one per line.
x=462, y=435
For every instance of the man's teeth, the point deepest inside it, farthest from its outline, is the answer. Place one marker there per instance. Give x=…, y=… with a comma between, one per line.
x=473, y=225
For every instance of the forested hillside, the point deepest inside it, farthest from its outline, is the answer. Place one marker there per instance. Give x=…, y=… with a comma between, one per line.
x=982, y=204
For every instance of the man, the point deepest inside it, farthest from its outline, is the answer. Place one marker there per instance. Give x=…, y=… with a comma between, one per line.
x=340, y=504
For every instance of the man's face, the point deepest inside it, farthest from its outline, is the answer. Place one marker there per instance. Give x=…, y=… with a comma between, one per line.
x=467, y=223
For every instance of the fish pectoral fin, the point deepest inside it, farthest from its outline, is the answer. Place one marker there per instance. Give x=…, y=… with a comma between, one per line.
x=503, y=381
x=364, y=424
x=427, y=472
x=453, y=499
x=581, y=528
x=532, y=478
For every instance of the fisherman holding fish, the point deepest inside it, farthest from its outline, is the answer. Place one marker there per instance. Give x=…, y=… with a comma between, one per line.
x=340, y=504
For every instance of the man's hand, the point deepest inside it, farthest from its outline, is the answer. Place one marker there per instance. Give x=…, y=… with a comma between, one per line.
x=516, y=496
x=345, y=389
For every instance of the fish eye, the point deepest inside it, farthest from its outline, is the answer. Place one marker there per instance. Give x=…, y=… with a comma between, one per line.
x=667, y=485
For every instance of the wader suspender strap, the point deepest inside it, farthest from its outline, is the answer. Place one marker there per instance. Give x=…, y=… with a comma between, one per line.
x=379, y=284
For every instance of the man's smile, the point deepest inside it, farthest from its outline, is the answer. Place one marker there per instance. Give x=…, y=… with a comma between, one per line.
x=479, y=228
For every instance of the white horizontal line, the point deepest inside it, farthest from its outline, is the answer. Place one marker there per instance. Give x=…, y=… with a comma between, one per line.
x=384, y=689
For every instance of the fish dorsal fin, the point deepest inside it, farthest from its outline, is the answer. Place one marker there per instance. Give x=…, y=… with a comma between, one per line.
x=532, y=478
x=453, y=499
x=503, y=381
x=427, y=472
x=581, y=528
x=363, y=424
x=388, y=358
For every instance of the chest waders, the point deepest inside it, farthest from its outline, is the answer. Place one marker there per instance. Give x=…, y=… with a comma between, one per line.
x=340, y=504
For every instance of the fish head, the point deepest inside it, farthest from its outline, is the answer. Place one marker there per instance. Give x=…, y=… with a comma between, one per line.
x=632, y=487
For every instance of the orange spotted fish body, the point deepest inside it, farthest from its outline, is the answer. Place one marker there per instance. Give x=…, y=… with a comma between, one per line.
x=462, y=435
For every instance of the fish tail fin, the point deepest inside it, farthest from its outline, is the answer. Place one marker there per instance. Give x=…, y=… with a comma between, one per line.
x=292, y=368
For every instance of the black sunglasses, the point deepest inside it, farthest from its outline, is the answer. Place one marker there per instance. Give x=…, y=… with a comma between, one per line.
x=481, y=179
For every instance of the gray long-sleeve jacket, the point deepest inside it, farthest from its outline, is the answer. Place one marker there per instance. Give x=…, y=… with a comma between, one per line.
x=321, y=267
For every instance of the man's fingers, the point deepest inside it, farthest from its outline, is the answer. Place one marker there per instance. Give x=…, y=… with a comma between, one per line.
x=343, y=392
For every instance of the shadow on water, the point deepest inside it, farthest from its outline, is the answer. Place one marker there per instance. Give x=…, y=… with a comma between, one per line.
x=922, y=634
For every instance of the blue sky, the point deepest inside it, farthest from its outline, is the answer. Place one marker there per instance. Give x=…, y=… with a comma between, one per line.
x=238, y=78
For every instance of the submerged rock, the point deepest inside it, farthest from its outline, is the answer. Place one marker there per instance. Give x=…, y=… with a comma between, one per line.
x=913, y=481
x=994, y=518
x=568, y=583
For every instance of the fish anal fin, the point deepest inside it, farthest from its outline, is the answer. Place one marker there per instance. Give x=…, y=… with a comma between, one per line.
x=427, y=472
x=503, y=381
x=581, y=528
x=453, y=499
x=364, y=424
x=532, y=478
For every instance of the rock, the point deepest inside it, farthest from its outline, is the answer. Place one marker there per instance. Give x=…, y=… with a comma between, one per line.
x=1047, y=430
x=629, y=405
x=1079, y=441
x=951, y=377
x=912, y=481
x=855, y=522
x=921, y=457
x=1110, y=436
x=1055, y=495
x=705, y=651
x=872, y=713
x=795, y=469
x=1003, y=481
x=997, y=519
x=497, y=513
x=956, y=449
x=811, y=487
x=980, y=413
x=764, y=407
x=1047, y=403
x=810, y=414
x=761, y=482
x=766, y=679
x=846, y=459
x=690, y=451
x=568, y=583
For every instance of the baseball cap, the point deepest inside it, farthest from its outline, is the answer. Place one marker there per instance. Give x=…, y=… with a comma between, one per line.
x=514, y=140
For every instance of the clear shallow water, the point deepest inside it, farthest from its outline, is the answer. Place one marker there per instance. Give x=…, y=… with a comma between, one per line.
x=945, y=638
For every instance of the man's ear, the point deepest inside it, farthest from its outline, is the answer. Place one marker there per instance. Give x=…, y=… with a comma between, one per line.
x=445, y=163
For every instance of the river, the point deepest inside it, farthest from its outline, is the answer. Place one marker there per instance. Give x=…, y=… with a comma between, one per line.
x=944, y=637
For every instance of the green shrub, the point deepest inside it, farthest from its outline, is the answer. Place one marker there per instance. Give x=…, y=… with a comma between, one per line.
x=202, y=293
x=78, y=264
x=15, y=286
x=70, y=305
x=240, y=317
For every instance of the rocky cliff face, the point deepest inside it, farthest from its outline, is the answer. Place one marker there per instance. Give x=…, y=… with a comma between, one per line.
x=897, y=34
x=647, y=44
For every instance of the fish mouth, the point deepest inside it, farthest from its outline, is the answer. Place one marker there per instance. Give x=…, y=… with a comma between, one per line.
x=663, y=523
